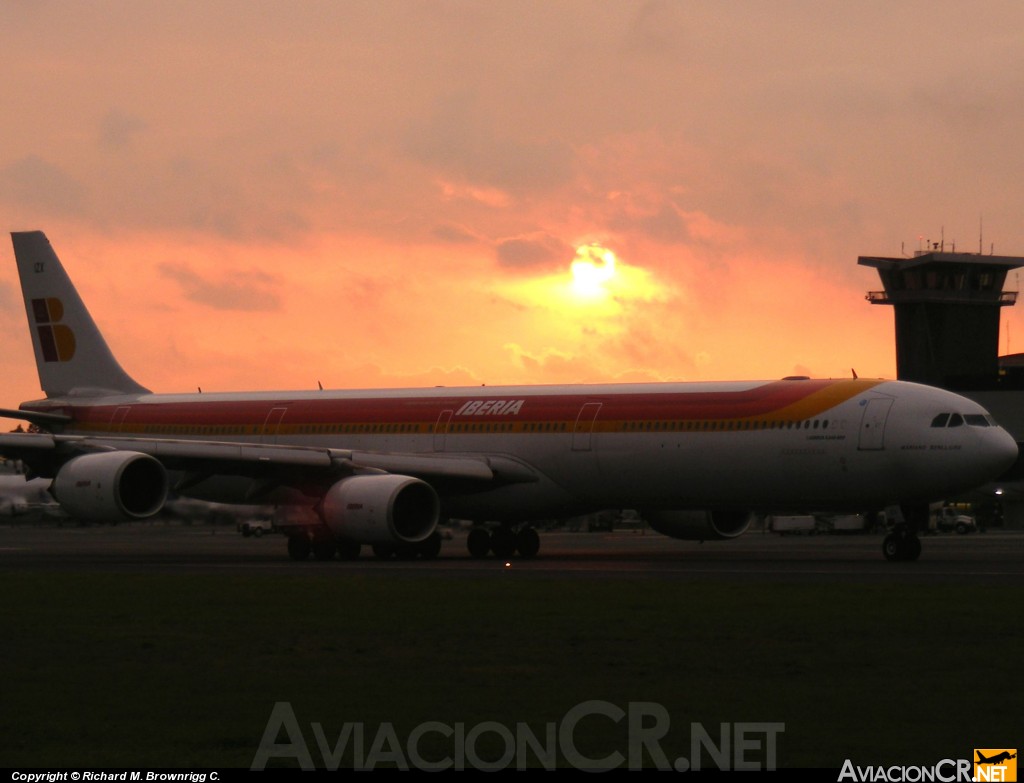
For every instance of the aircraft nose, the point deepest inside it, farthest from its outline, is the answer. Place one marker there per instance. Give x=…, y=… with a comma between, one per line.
x=1000, y=451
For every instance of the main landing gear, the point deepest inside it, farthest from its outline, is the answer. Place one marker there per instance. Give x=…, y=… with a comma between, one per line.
x=503, y=541
x=902, y=543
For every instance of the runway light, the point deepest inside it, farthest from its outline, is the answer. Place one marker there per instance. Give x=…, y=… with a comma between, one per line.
x=508, y=565
x=999, y=492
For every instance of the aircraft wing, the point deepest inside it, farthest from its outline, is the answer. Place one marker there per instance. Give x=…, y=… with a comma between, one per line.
x=263, y=461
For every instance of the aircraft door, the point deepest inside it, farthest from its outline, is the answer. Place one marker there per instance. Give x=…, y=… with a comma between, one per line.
x=872, y=425
x=117, y=420
x=584, y=427
x=441, y=429
x=272, y=424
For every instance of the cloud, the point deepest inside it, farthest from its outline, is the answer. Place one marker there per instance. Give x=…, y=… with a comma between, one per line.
x=402, y=164
x=541, y=252
x=460, y=137
x=555, y=365
x=661, y=222
x=454, y=234
x=119, y=130
x=240, y=290
x=33, y=184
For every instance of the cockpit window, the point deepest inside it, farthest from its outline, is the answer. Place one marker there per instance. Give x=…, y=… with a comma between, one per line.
x=956, y=420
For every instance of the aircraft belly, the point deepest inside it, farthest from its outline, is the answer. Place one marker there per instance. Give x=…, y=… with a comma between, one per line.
x=748, y=470
x=517, y=503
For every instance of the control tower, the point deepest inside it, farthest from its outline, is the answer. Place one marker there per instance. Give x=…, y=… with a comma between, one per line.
x=947, y=307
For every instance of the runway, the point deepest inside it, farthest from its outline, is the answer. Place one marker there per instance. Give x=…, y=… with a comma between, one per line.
x=993, y=557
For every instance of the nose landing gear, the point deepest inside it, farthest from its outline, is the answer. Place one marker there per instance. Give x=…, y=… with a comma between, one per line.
x=902, y=544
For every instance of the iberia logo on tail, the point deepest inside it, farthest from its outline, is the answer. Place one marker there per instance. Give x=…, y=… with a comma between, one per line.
x=56, y=340
x=995, y=764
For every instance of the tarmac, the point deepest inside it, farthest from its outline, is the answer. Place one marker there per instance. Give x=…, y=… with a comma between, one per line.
x=988, y=557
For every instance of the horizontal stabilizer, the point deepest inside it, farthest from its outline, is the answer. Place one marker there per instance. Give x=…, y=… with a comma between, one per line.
x=34, y=417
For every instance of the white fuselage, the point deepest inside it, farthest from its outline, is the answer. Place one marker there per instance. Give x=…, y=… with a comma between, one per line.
x=792, y=445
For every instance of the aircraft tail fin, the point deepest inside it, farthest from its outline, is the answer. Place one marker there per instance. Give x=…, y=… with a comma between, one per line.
x=71, y=354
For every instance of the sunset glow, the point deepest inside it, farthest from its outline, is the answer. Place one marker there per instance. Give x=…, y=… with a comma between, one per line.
x=593, y=270
x=385, y=194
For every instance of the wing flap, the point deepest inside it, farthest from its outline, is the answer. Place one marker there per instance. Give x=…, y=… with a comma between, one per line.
x=427, y=465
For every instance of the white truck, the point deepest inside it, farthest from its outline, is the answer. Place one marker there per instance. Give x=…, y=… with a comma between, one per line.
x=950, y=519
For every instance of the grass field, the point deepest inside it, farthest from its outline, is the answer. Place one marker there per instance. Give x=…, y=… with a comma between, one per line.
x=184, y=671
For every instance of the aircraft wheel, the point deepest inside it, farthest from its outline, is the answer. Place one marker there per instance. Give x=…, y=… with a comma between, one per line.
x=901, y=547
x=891, y=547
x=299, y=547
x=911, y=548
x=349, y=550
x=324, y=549
x=478, y=542
x=528, y=542
x=503, y=543
x=430, y=548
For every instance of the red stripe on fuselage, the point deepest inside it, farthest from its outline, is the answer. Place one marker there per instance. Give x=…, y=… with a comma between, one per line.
x=717, y=404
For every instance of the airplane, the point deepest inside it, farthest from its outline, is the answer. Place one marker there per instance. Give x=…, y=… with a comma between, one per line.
x=383, y=468
x=996, y=759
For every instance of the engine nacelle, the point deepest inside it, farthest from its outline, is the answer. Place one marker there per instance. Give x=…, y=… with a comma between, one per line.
x=700, y=525
x=383, y=509
x=113, y=486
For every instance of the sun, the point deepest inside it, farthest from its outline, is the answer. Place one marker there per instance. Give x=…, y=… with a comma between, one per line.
x=597, y=291
x=592, y=270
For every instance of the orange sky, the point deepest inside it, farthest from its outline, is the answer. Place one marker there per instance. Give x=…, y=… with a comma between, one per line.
x=269, y=195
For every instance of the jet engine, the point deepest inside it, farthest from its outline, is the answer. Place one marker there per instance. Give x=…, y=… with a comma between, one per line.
x=700, y=525
x=112, y=486
x=381, y=509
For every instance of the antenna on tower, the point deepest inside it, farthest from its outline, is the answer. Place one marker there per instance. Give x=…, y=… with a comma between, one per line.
x=981, y=234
